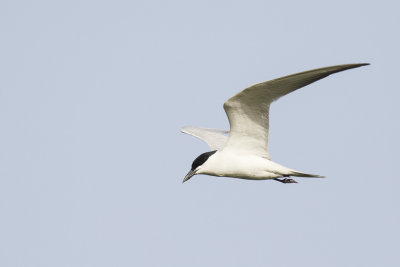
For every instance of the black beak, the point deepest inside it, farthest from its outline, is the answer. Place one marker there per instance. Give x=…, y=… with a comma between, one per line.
x=189, y=175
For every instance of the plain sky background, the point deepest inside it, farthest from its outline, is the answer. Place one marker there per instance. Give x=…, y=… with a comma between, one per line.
x=92, y=97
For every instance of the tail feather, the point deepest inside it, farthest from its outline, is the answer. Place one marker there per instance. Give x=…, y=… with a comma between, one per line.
x=300, y=174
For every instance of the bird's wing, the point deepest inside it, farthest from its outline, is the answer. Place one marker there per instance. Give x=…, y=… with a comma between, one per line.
x=214, y=138
x=248, y=110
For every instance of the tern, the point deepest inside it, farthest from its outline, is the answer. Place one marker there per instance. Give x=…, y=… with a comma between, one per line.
x=242, y=152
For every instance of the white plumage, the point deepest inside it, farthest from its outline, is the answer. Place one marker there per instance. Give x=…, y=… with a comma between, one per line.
x=244, y=153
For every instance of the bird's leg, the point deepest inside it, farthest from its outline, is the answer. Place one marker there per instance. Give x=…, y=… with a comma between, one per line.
x=286, y=180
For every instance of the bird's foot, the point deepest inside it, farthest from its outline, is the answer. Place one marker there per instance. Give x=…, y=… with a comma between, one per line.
x=286, y=181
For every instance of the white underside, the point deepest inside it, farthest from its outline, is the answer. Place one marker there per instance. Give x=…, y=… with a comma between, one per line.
x=224, y=163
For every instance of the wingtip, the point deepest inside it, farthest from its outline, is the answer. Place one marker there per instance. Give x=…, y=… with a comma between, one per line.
x=184, y=129
x=339, y=68
x=355, y=65
x=363, y=64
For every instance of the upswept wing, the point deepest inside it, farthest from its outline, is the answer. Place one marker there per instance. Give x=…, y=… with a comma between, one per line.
x=214, y=138
x=248, y=111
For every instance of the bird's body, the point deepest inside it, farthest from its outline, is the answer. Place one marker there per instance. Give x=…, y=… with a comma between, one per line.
x=244, y=152
x=252, y=167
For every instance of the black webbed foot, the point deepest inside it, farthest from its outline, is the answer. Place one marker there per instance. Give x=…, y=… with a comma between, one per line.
x=286, y=181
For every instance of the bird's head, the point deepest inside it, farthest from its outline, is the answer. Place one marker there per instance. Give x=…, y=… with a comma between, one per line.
x=197, y=164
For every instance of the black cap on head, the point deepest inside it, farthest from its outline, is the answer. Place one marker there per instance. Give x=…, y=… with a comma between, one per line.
x=198, y=162
x=201, y=159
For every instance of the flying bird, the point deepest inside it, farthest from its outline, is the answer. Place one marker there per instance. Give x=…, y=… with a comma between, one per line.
x=242, y=152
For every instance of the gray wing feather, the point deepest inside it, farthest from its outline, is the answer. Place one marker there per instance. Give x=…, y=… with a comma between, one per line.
x=214, y=138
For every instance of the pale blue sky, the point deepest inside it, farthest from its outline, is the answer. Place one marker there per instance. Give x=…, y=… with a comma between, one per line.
x=92, y=96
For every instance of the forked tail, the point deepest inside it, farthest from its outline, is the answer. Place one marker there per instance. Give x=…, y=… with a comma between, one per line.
x=300, y=174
